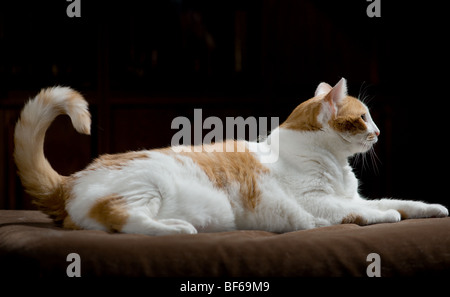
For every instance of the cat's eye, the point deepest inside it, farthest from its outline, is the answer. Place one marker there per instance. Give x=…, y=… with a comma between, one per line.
x=364, y=117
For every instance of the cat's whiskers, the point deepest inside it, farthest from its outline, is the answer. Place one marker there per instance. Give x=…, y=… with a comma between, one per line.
x=374, y=158
x=363, y=96
x=362, y=157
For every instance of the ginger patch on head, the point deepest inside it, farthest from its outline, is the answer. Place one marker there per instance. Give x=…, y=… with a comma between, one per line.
x=111, y=212
x=348, y=118
x=304, y=117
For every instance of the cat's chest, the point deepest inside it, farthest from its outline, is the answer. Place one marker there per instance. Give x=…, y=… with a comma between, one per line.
x=349, y=183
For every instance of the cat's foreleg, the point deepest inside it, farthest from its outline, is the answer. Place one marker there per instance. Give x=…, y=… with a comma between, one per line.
x=409, y=209
x=280, y=214
x=340, y=210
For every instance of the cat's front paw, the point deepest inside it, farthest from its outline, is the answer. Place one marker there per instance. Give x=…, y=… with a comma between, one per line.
x=389, y=216
x=422, y=210
x=435, y=211
x=369, y=217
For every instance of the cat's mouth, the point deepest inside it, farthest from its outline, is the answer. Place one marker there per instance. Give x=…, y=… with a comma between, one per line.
x=367, y=143
x=370, y=140
x=372, y=137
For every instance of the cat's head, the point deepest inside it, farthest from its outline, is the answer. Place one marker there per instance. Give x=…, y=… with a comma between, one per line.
x=336, y=115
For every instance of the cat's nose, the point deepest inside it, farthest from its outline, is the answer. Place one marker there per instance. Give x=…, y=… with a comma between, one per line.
x=377, y=132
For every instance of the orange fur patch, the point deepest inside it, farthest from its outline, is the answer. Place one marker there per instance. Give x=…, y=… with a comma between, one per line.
x=348, y=118
x=234, y=165
x=110, y=211
x=54, y=204
x=354, y=219
x=403, y=214
x=116, y=161
x=70, y=224
x=72, y=102
x=304, y=116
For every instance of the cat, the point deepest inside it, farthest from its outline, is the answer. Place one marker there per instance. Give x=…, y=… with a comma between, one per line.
x=162, y=192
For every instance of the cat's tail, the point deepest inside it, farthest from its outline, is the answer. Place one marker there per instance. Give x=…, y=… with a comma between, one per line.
x=37, y=175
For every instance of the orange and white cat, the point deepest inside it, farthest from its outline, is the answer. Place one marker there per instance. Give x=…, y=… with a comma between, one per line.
x=158, y=192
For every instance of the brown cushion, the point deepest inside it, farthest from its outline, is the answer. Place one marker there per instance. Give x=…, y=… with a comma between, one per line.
x=31, y=245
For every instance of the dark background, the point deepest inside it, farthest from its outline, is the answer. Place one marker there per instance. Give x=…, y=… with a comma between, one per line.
x=142, y=63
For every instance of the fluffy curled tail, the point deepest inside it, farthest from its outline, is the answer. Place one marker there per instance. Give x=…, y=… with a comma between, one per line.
x=37, y=175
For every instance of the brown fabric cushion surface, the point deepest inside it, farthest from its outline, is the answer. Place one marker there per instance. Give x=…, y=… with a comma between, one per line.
x=30, y=245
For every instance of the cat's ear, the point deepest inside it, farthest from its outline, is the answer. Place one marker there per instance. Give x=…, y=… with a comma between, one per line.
x=338, y=92
x=322, y=88
x=332, y=100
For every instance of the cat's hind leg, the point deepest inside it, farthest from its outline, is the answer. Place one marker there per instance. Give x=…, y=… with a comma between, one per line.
x=142, y=220
x=141, y=224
